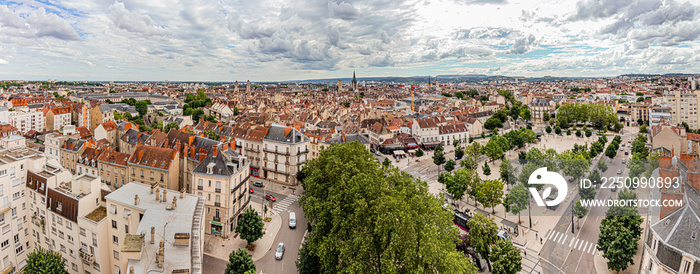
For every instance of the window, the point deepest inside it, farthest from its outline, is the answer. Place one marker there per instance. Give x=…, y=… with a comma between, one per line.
x=60, y=220
x=116, y=255
x=3, y=172
x=115, y=239
x=70, y=239
x=61, y=235
x=5, y=244
x=114, y=224
x=69, y=226
x=75, y=267
x=82, y=232
x=16, y=182
x=685, y=269
x=127, y=213
x=72, y=254
x=113, y=209
x=19, y=250
x=126, y=228
x=14, y=212
x=15, y=196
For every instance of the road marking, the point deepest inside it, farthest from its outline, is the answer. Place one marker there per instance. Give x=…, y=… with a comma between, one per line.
x=564, y=241
x=572, y=241
x=558, y=237
x=592, y=249
x=552, y=235
x=581, y=244
x=584, y=247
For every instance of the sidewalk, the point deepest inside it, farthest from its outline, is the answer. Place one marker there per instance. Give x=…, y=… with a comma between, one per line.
x=221, y=248
x=601, y=264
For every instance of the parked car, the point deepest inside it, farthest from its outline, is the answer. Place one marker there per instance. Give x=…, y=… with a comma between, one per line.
x=258, y=183
x=292, y=220
x=280, y=251
x=619, y=171
x=627, y=152
x=378, y=153
x=250, y=189
x=624, y=161
x=614, y=188
x=270, y=197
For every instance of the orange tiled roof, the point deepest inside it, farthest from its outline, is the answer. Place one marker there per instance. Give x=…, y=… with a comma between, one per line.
x=155, y=157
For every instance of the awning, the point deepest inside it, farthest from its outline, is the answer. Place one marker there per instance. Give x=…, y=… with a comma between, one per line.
x=399, y=152
x=411, y=145
x=215, y=223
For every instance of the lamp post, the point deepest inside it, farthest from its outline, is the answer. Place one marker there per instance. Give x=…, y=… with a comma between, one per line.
x=529, y=207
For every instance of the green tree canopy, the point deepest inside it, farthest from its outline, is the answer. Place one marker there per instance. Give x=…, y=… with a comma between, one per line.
x=170, y=126
x=361, y=221
x=41, y=261
x=489, y=193
x=518, y=199
x=239, y=262
x=505, y=258
x=250, y=226
x=482, y=234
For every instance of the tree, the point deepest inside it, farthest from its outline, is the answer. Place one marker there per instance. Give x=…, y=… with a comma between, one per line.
x=42, y=261
x=386, y=162
x=235, y=111
x=170, y=126
x=455, y=143
x=643, y=129
x=438, y=158
x=486, y=169
x=595, y=177
x=545, y=117
x=250, y=226
x=586, y=193
x=602, y=166
x=482, y=234
x=617, y=242
x=493, y=123
x=611, y=151
x=496, y=147
x=489, y=193
x=376, y=228
x=578, y=133
x=525, y=113
x=505, y=258
x=459, y=153
x=211, y=134
x=239, y=262
x=507, y=172
x=518, y=199
x=462, y=180
x=471, y=156
x=579, y=211
x=210, y=118
x=141, y=107
x=307, y=263
x=568, y=132
x=419, y=152
x=449, y=165
x=557, y=130
x=574, y=164
x=589, y=132
x=548, y=129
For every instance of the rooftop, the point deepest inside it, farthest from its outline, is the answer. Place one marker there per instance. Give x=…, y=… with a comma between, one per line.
x=97, y=215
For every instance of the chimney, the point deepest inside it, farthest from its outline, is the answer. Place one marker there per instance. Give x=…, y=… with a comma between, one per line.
x=136, y=199
x=131, y=270
x=158, y=194
x=174, y=202
x=202, y=155
x=192, y=152
x=152, y=187
x=233, y=144
x=182, y=193
x=161, y=256
x=165, y=195
x=153, y=234
x=71, y=146
x=224, y=147
x=214, y=150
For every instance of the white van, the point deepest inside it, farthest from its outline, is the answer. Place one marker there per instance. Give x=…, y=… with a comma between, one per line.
x=292, y=220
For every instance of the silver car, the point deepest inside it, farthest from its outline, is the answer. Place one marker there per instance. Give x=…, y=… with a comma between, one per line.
x=280, y=251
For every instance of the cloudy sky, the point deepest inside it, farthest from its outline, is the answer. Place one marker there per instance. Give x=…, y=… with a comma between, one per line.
x=274, y=40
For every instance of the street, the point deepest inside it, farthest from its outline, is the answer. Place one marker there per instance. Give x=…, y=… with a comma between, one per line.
x=290, y=237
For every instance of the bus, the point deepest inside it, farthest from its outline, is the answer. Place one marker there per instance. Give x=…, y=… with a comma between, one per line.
x=460, y=219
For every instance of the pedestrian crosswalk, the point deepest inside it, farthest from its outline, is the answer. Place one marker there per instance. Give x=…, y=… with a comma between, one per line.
x=281, y=206
x=572, y=242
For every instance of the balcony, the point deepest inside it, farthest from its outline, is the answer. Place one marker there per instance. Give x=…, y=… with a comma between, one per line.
x=200, y=187
x=217, y=190
x=217, y=219
x=217, y=204
x=86, y=257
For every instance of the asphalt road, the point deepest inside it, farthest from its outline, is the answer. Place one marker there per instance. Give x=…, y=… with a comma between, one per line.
x=565, y=252
x=290, y=237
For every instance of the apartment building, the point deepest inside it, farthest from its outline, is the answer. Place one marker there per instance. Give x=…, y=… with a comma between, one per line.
x=74, y=208
x=538, y=108
x=252, y=144
x=154, y=165
x=222, y=178
x=57, y=118
x=14, y=218
x=684, y=107
x=450, y=133
x=107, y=131
x=87, y=163
x=112, y=168
x=639, y=111
x=192, y=150
x=154, y=230
x=658, y=115
x=130, y=139
x=71, y=150
x=285, y=150
x=26, y=120
x=426, y=131
x=100, y=114
x=53, y=141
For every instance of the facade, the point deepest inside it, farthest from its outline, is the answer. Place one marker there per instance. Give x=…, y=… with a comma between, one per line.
x=130, y=139
x=57, y=118
x=684, y=107
x=54, y=141
x=658, y=115
x=107, y=131
x=87, y=163
x=222, y=179
x=672, y=138
x=452, y=132
x=285, y=150
x=538, y=107
x=426, y=131
x=639, y=111
x=154, y=230
x=154, y=165
x=99, y=114
x=71, y=150
x=112, y=167
x=26, y=120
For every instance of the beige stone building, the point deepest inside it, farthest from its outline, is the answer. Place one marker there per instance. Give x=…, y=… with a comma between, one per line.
x=222, y=179
x=57, y=118
x=684, y=107
x=154, y=230
x=71, y=151
x=112, y=167
x=285, y=150
x=154, y=165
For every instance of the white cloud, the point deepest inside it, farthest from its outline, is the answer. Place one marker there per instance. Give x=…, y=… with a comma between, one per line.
x=3, y=62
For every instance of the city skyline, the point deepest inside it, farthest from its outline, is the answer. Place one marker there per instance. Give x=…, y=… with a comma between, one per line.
x=295, y=40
